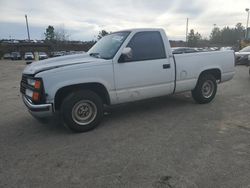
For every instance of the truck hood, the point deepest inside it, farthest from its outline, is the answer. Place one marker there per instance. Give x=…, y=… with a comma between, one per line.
x=57, y=62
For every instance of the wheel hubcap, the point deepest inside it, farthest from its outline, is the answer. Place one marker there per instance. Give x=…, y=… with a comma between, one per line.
x=208, y=89
x=84, y=112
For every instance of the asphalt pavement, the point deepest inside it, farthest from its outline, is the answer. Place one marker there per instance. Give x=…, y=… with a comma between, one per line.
x=164, y=142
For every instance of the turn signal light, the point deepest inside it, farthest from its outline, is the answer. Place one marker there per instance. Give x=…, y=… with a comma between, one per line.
x=37, y=84
x=35, y=96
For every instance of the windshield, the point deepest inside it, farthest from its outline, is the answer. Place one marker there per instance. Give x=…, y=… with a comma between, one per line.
x=107, y=47
x=246, y=49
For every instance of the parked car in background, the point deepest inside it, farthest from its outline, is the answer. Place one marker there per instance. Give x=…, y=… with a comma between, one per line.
x=200, y=50
x=227, y=48
x=77, y=52
x=242, y=56
x=214, y=48
x=15, y=56
x=56, y=54
x=62, y=53
x=74, y=52
x=7, y=56
x=28, y=56
x=42, y=55
x=183, y=50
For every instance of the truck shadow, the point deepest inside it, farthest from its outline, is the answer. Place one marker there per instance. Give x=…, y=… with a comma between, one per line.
x=152, y=106
x=52, y=124
x=123, y=111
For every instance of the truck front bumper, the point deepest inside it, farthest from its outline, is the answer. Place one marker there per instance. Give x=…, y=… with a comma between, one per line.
x=38, y=110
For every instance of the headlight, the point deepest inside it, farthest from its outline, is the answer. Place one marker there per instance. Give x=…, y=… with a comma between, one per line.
x=32, y=87
x=35, y=91
x=29, y=93
x=35, y=83
x=31, y=81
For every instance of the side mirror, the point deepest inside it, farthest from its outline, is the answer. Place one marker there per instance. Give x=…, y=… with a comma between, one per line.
x=126, y=55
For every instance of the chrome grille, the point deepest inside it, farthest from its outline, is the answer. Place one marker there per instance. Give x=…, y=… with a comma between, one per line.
x=24, y=83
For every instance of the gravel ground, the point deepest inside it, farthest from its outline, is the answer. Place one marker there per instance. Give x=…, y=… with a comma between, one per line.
x=164, y=142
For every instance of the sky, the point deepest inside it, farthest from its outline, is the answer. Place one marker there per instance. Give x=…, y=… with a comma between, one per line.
x=83, y=19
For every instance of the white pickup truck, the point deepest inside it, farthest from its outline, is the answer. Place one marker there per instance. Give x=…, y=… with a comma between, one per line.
x=122, y=67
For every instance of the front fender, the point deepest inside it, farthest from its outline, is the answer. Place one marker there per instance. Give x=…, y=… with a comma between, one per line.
x=55, y=79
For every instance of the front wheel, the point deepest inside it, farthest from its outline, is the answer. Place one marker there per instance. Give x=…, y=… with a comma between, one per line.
x=205, y=89
x=82, y=111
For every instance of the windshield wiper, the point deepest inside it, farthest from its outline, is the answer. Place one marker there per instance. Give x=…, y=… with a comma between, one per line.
x=97, y=55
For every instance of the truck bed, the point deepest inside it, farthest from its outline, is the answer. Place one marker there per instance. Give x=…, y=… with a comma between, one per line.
x=189, y=66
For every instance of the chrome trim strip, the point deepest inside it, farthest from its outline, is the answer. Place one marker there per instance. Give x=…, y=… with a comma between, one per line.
x=37, y=108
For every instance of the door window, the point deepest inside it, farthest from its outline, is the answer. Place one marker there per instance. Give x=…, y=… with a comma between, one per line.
x=146, y=46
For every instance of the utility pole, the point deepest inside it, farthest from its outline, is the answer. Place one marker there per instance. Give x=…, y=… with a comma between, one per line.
x=187, y=33
x=247, y=9
x=27, y=25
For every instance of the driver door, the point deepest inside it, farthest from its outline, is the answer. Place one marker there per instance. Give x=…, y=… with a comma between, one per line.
x=147, y=73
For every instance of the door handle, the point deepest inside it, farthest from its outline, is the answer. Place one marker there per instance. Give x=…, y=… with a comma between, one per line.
x=166, y=66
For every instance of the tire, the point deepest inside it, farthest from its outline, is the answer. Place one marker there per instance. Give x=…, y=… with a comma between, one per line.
x=82, y=111
x=205, y=89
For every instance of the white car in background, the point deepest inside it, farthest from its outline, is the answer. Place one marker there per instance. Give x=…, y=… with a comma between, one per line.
x=28, y=56
x=242, y=56
x=7, y=56
x=226, y=48
x=42, y=55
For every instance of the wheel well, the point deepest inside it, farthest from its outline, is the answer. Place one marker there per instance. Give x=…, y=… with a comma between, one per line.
x=215, y=72
x=98, y=88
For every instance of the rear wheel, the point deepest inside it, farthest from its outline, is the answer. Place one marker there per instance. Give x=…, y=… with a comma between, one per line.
x=205, y=89
x=82, y=111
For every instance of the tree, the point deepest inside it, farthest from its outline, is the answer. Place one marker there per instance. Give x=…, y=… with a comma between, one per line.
x=61, y=34
x=193, y=38
x=215, y=36
x=240, y=31
x=50, y=33
x=227, y=35
x=102, y=33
